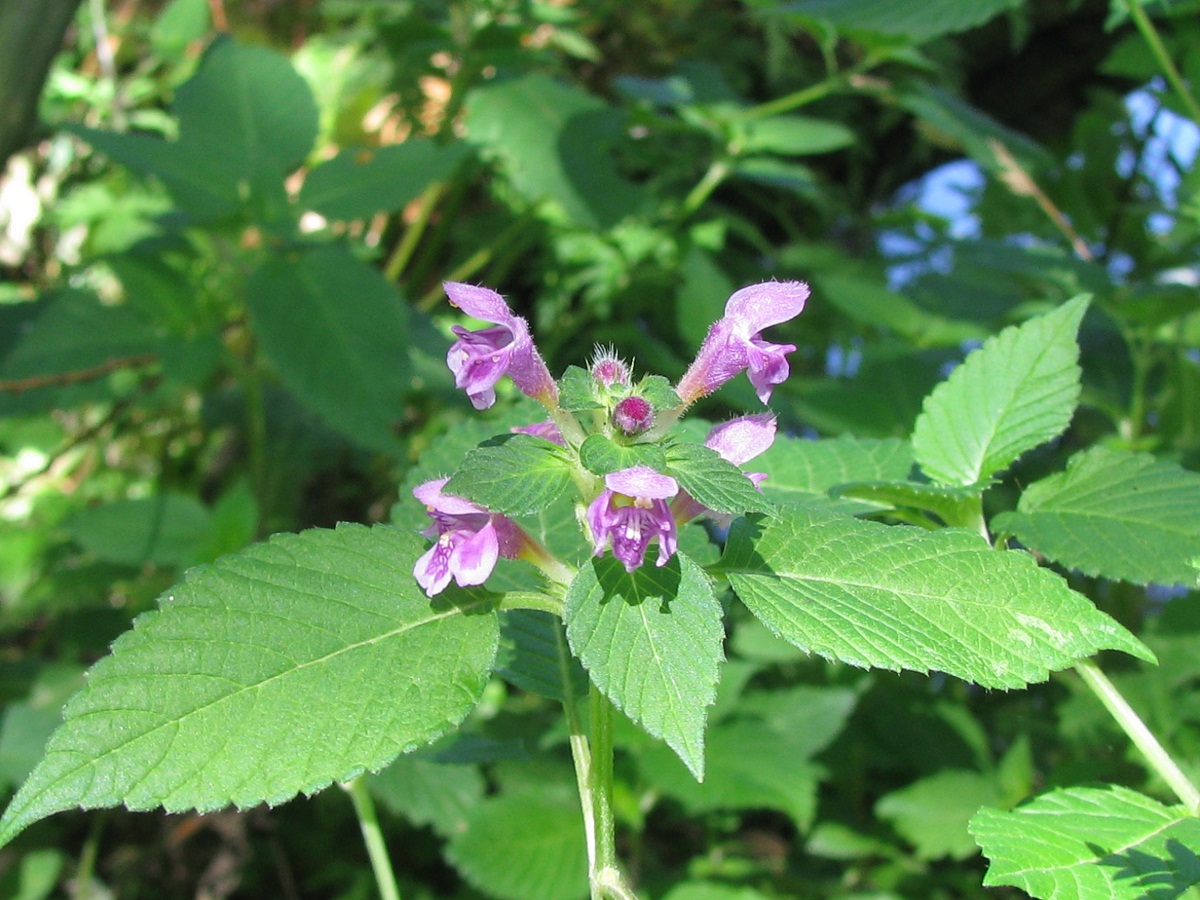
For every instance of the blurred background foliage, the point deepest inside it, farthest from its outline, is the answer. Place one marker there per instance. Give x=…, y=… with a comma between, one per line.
x=222, y=246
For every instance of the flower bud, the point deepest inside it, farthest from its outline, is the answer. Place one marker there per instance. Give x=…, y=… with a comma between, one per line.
x=608, y=369
x=633, y=415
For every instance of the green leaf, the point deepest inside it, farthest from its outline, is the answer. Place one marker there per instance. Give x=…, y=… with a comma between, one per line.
x=898, y=597
x=577, y=391
x=61, y=347
x=873, y=304
x=301, y=661
x=600, y=456
x=750, y=766
x=712, y=890
x=167, y=530
x=1114, y=514
x=335, y=330
x=517, y=474
x=356, y=184
x=552, y=139
x=657, y=391
x=932, y=813
x=534, y=655
x=811, y=716
x=1017, y=391
x=792, y=135
x=651, y=641
x=246, y=119
x=525, y=846
x=425, y=792
x=918, y=21
x=719, y=485
x=800, y=470
x=1091, y=842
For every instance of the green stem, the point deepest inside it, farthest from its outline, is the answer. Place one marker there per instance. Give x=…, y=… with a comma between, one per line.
x=605, y=875
x=581, y=755
x=711, y=180
x=812, y=93
x=381, y=864
x=1143, y=738
x=256, y=435
x=532, y=600
x=1151, y=36
x=400, y=258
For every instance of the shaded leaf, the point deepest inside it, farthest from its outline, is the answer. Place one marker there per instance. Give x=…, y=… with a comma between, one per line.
x=800, y=470
x=534, y=655
x=336, y=331
x=932, y=813
x=919, y=21
x=426, y=792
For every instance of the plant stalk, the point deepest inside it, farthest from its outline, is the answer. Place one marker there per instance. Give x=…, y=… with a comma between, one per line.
x=1159, y=50
x=1143, y=738
x=381, y=864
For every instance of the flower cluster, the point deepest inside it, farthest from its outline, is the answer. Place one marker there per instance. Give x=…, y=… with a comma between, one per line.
x=627, y=510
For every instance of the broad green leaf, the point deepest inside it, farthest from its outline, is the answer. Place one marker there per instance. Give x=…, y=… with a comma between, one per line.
x=356, y=184
x=792, y=135
x=651, y=641
x=525, y=846
x=1091, y=842
x=811, y=716
x=246, y=119
x=1114, y=514
x=600, y=456
x=336, y=331
x=800, y=470
x=301, y=661
x=534, y=655
x=577, y=390
x=932, y=814
x=719, y=485
x=425, y=792
x=750, y=765
x=167, y=530
x=873, y=304
x=898, y=597
x=918, y=21
x=1017, y=391
x=517, y=474
x=552, y=140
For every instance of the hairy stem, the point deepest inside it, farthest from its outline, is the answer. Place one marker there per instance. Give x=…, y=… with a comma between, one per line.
x=1143, y=738
x=381, y=864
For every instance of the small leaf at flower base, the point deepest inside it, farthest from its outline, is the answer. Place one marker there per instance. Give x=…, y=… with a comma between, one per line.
x=718, y=484
x=1114, y=514
x=576, y=390
x=600, y=456
x=949, y=503
x=932, y=813
x=513, y=474
x=525, y=846
x=658, y=392
x=651, y=640
x=896, y=597
x=1014, y=393
x=1091, y=842
x=307, y=659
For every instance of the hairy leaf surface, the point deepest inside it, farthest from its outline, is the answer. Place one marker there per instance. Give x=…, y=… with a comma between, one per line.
x=651, y=641
x=298, y=662
x=1017, y=391
x=1115, y=514
x=905, y=598
x=1091, y=842
x=515, y=474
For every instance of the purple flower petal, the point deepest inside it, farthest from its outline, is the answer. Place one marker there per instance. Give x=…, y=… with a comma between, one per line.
x=740, y=440
x=467, y=540
x=642, y=481
x=631, y=512
x=761, y=305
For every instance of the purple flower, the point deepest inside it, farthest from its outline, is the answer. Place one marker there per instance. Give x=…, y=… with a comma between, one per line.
x=479, y=359
x=737, y=441
x=632, y=511
x=467, y=540
x=734, y=343
x=547, y=431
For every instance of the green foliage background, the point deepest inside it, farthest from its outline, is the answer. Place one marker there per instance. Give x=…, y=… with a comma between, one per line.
x=222, y=319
